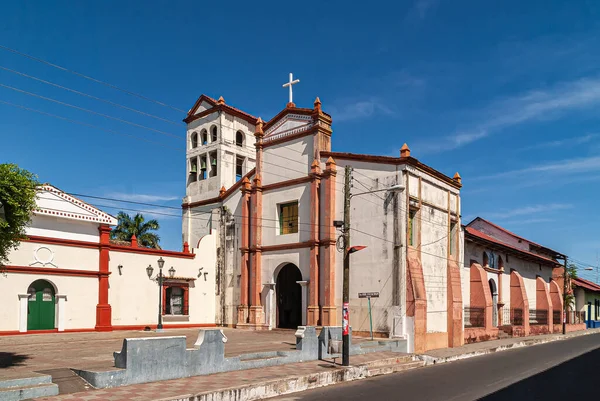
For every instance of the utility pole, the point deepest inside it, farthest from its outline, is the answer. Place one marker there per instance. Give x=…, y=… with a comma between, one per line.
x=565, y=306
x=346, y=288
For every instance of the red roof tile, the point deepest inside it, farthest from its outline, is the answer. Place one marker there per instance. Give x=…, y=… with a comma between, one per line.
x=586, y=284
x=479, y=234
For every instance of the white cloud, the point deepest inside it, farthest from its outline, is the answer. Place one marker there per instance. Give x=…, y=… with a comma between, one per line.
x=422, y=7
x=568, y=166
x=531, y=106
x=580, y=140
x=526, y=211
x=144, y=198
x=360, y=109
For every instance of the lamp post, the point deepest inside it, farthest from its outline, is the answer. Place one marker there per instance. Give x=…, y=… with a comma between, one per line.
x=159, y=279
x=345, y=227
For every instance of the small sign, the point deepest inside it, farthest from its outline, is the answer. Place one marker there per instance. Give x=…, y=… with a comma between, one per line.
x=368, y=295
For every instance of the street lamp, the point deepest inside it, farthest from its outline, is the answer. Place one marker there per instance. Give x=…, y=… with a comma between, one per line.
x=172, y=272
x=345, y=228
x=159, y=279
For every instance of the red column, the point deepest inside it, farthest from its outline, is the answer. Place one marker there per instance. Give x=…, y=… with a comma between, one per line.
x=256, y=314
x=313, y=318
x=103, y=309
x=329, y=314
x=245, y=233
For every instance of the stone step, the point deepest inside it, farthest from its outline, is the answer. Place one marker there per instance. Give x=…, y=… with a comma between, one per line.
x=27, y=392
x=394, y=368
x=22, y=379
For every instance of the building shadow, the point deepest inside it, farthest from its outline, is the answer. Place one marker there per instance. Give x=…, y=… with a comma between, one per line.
x=570, y=380
x=9, y=359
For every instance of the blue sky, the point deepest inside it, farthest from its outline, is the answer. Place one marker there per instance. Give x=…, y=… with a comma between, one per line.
x=506, y=93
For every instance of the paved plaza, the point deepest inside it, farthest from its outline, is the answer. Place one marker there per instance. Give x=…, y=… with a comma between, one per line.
x=34, y=352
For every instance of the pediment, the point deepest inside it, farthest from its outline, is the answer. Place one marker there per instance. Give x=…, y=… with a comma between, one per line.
x=289, y=124
x=51, y=201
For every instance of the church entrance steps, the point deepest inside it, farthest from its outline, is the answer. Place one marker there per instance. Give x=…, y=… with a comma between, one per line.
x=16, y=386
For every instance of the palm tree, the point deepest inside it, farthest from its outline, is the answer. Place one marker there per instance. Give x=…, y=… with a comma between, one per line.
x=139, y=227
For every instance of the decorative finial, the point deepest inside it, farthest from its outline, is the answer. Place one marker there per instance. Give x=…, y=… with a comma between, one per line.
x=221, y=100
x=317, y=104
x=222, y=191
x=259, y=127
x=404, y=151
x=315, y=166
x=330, y=163
x=457, y=178
x=289, y=84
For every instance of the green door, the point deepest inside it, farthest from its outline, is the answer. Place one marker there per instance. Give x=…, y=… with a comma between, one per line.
x=40, y=315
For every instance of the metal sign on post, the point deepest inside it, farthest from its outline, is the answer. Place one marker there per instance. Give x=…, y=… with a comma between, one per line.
x=369, y=295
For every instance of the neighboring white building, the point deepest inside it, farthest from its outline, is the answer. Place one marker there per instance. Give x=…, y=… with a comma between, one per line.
x=68, y=275
x=278, y=264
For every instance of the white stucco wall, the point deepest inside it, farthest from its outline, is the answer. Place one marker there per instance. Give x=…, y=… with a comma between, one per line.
x=60, y=256
x=80, y=305
x=134, y=297
x=528, y=270
x=54, y=227
x=287, y=160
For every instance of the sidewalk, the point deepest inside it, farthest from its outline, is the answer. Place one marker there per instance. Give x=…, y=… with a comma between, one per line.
x=486, y=347
x=278, y=380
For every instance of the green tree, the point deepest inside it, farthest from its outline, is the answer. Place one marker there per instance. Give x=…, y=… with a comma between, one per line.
x=570, y=298
x=137, y=225
x=17, y=202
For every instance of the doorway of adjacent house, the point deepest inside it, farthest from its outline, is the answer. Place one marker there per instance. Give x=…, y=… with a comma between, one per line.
x=289, y=297
x=494, y=292
x=40, y=306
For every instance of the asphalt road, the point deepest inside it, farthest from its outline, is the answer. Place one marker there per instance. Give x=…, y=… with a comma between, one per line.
x=561, y=370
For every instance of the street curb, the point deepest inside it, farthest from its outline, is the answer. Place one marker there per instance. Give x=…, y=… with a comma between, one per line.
x=432, y=360
x=295, y=384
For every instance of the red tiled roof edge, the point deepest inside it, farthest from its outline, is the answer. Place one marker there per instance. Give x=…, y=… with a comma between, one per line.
x=485, y=237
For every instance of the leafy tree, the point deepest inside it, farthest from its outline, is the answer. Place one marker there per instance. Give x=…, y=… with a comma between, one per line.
x=137, y=225
x=570, y=297
x=17, y=202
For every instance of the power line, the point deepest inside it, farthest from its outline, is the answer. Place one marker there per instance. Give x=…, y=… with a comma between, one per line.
x=91, y=96
x=87, y=125
x=89, y=111
x=39, y=60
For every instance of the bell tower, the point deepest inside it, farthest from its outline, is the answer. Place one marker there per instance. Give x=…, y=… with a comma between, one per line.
x=220, y=148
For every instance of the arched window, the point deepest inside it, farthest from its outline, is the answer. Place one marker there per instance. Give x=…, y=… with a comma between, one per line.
x=194, y=140
x=213, y=133
x=204, y=137
x=486, y=260
x=239, y=138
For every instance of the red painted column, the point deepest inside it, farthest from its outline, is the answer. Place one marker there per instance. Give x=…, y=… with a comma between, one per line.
x=103, y=309
x=164, y=297
x=256, y=314
x=244, y=264
x=329, y=313
x=314, y=284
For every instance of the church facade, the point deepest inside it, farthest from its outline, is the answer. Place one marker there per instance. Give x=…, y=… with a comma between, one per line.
x=272, y=191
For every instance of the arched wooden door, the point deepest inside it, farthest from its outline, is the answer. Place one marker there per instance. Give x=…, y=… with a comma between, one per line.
x=40, y=306
x=289, y=297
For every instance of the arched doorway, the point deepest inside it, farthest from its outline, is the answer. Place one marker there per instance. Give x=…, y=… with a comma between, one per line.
x=40, y=306
x=289, y=297
x=494, y=292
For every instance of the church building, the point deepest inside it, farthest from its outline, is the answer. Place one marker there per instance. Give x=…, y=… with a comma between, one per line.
x=274, y=192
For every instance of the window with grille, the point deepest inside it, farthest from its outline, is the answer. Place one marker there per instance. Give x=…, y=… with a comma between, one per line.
x=288, y=218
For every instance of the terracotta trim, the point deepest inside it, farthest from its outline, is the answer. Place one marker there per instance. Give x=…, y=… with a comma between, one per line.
x=166, y=326
x=62, y=241
x=393, y=160
x=52, y=331
x=222, y=107
x=55, y=272
x=280, y=247
x=287, y=183
x=220, y=198
x=310, y=131
x=157, y=252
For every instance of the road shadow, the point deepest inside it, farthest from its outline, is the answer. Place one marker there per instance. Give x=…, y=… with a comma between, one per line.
x=9, y=359
x=570, y=380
